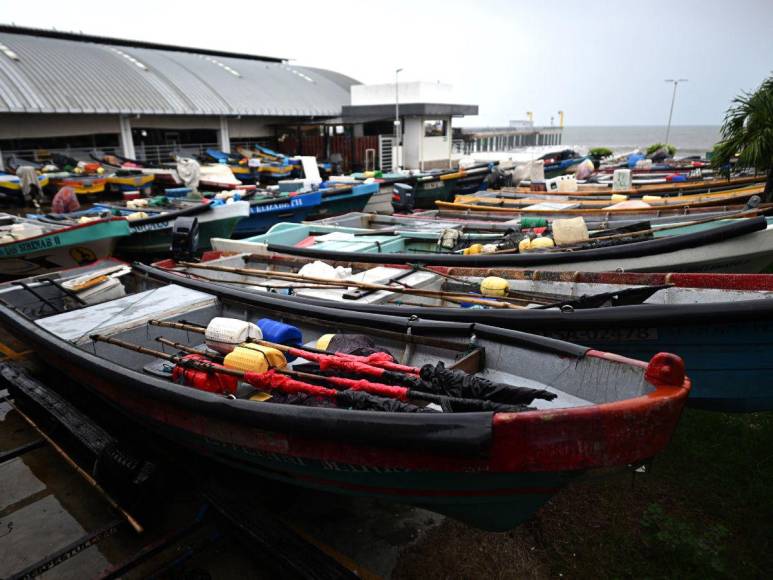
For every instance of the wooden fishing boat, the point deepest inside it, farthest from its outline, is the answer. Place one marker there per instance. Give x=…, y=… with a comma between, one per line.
x=580, y=206
x=343, y=198
x=82, y=185
x=665, y=189
x=608, y=194
x=267, y=210
x=380, y=201
x=721, y=325
x=554, y=168
x=164, y=175
x=444, y=185
x=490, y=468
x=611, y=218
x=434, y=220
x=10, y=186
x=29, y=247
x=121, y=180
x=744, y=245
x=150, y=226
x=239, y=165
x=212, y=176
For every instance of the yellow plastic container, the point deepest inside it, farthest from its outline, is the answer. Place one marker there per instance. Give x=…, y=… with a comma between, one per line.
x=324, y=340
x=254, y=358
x=473, y=249
x=539, y=243
x=493, y=286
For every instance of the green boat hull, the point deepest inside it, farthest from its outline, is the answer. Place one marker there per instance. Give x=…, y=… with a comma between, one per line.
x=157, y=241
x=490, y=501
x=428, y=192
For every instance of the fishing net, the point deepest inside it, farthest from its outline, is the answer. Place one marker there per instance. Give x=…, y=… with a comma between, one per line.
x=356, y=344
x=360, y=400
x=453, y=383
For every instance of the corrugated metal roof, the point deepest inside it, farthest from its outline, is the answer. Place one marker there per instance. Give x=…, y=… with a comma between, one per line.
x=63, y=75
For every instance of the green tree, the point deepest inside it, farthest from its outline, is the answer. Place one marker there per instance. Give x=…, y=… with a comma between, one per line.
x=747, y=133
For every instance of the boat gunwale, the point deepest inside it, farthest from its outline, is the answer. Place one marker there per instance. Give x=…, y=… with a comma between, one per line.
x=532, y=319
x=66, y=228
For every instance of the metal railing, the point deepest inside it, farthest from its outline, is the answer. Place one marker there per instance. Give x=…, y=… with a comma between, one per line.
x=153, y=154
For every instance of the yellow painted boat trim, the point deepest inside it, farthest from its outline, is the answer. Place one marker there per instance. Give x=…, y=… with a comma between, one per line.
x=646, y=188
x=138, y=180
x=684, y=201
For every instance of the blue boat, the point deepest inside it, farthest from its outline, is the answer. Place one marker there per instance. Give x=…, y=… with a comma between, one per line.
x=265, y=211
x=242, y=171
x=720, y=324
x=337, y=199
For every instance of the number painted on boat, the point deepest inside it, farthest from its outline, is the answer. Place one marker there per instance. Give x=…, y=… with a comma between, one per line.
x=605, y=335
x=432, y=185
x=27, y=246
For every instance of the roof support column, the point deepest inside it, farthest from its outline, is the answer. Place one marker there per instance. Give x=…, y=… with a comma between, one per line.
x=127, y=143
x=224, y=137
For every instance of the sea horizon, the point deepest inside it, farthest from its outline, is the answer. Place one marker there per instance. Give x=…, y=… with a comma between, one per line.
x=688, y=139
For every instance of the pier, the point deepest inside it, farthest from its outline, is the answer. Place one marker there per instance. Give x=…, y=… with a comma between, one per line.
x=468, y=140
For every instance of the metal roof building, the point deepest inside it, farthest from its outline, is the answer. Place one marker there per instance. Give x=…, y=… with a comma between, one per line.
x=55, y=84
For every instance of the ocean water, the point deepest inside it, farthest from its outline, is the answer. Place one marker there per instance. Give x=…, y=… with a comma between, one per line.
x=688, y=139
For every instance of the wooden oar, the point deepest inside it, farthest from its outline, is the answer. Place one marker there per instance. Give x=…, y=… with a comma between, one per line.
x=269, y=379
x=381, y=366
x=742, y=214
x=379, y=389
x=449, y=296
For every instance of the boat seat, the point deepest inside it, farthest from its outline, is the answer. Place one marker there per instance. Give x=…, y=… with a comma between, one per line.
x=125, y=313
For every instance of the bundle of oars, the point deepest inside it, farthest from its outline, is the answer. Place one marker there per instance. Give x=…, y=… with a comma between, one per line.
x=455, y=297
x=453, y=391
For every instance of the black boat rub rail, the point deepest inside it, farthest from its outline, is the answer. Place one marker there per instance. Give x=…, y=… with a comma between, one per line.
x=623, y=251
x=402, y=324
x=536, y=320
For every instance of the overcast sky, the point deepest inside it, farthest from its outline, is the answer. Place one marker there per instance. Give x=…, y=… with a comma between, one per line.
x=602, y=62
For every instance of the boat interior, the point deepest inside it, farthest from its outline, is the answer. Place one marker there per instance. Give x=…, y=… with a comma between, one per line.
x=503, y=357
x=285, y=275
x=14, y=228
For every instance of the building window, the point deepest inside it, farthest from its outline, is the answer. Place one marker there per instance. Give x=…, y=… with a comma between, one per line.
x=435, y=128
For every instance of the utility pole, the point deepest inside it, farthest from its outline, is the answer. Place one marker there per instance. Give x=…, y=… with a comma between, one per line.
x=396, y=160
x=673, y=99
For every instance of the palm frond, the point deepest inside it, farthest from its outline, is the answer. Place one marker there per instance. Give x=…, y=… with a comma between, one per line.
x=747, y=130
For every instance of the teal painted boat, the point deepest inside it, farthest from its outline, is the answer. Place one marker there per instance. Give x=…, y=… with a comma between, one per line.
x=739, y=245
x=492, y=468
x=151, y=234
x=30, y=247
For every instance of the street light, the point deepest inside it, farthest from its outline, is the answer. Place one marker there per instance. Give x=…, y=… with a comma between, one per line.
x=396, y=162
x=673, y=98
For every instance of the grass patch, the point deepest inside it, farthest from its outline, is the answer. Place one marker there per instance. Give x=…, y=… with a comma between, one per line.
x=705, y=510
